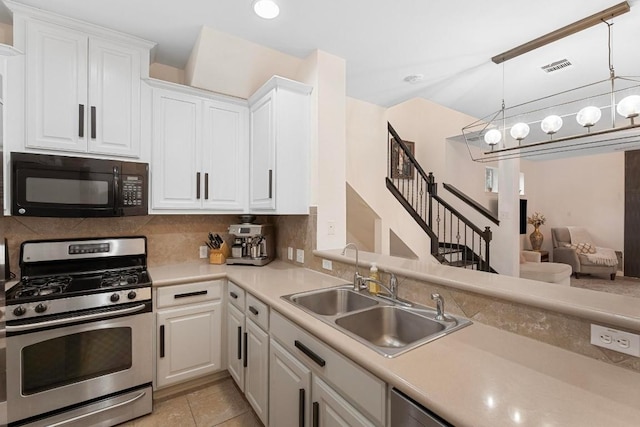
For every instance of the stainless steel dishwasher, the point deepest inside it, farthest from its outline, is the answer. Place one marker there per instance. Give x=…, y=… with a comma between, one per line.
x=406, y=412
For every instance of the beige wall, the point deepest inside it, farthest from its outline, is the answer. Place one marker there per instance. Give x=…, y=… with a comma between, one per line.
x=226, y=64
x=166, y=73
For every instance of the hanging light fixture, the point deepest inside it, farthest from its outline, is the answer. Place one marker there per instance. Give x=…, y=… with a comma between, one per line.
x=573, y=117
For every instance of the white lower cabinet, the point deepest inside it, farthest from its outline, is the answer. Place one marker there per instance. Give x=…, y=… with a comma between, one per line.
x=189, y=331
x=329, y=409
x=313, y=385
x=248, y=348
x=290, y=382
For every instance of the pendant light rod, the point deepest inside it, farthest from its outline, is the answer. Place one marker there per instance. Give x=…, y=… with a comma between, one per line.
x=563, y=32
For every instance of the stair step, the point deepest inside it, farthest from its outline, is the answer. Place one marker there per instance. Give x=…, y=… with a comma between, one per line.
x=444, y=250
x=463, y=263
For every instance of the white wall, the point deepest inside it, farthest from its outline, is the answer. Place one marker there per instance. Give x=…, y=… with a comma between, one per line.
x=582, y=191
x=327, y=73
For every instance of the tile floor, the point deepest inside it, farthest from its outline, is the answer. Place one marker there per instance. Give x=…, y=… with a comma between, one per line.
x=220, y=404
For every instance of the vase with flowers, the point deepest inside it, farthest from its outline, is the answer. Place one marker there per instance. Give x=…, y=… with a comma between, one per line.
x=536, y=238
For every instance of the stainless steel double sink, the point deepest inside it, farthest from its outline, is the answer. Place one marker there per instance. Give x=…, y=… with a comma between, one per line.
x=386, y=326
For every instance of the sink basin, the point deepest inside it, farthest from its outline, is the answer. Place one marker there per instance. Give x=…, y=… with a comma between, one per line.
x=332, y=302
x=390, y=327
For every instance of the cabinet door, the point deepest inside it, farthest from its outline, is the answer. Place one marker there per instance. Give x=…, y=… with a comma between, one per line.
x=329, y=409
x=176, y=146
x=289, y=389
x=235, y=345
x=114, y=99
x=225, y=156
x=256, y=382
x=262, y=195
x=56, y=88
x=189, y=341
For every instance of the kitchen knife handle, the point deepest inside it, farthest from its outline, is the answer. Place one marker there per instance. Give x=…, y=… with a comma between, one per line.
x=246, y=341
x=306, y=350
x=161, y=341
x=270, y=183
x=316, y=414
x=301, y=408
x=197, y=185
x=93, y=122
x=81, y=120
x=239, y=342
x=206, y=186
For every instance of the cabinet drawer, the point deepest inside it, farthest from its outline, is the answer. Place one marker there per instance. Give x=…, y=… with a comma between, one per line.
x=236, y=295
x=189, y=293
x=362, y=389
x=258, y=312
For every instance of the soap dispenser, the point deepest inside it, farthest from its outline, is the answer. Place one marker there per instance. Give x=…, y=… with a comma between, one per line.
x=374, y=288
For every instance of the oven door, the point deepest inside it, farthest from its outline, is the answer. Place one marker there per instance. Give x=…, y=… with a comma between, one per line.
x=54, y=368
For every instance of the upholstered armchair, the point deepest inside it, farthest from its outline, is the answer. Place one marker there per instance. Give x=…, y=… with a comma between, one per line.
x=573, y=253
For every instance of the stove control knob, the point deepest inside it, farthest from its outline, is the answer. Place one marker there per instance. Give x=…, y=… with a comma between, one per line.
x=132, y=295
x=19, y=310
x=41, y=308
x=115, y=298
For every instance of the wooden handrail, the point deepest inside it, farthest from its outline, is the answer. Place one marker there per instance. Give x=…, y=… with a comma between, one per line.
x=469, y=201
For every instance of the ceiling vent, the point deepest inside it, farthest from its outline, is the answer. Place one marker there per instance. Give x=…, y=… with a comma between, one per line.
x=555, y=66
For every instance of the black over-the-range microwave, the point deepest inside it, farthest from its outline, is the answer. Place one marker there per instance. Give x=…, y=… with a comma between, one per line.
x=61, y=186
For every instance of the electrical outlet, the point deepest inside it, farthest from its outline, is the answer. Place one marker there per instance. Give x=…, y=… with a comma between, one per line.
x=300, y=256
x=290, y=253
x=203, y=252
x=331, y=228
x=327, y=264
x=616, y=340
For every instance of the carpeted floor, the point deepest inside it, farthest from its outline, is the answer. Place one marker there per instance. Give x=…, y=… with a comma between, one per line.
x=629, y=286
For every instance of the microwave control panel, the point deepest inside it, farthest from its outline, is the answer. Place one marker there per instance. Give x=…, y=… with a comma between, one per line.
x=132, y=191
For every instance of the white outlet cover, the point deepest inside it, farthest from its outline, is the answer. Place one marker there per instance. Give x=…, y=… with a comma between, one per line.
x=327, y=264
x=613, y=339
x=300, y=255
x=203, y=252
x=290, y=253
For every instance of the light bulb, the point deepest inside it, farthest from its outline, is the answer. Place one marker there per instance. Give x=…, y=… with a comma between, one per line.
x=267, y=9
x=519, y=131
x=629, y=107
x=551, y=124
x=492, y=137
x=588, y=116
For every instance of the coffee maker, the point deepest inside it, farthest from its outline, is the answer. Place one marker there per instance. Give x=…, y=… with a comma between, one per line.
x=253, y=243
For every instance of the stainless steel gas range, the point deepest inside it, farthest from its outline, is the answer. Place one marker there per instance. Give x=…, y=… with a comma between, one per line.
x=79, y=333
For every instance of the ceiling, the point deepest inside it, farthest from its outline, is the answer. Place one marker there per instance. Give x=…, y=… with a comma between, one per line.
x=449, y=42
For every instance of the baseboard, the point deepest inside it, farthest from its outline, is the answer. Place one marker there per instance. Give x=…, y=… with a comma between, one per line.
x=189, y=386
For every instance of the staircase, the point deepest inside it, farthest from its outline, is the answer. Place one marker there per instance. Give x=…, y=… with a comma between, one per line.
x=455, y=240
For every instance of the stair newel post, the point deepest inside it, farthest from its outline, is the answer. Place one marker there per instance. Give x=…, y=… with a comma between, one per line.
x=487, y=240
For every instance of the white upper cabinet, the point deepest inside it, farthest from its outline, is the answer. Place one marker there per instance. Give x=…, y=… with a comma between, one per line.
x=199, y=150
x=280, y=147
x=82, y=84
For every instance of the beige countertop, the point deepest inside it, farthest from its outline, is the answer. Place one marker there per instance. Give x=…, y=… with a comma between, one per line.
x=477, y=376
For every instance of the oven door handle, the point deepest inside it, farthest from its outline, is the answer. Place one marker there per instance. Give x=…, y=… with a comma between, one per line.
x=27, y=327
x=108, y=408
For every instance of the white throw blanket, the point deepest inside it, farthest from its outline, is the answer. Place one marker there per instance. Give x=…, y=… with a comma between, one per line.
x=603, y=256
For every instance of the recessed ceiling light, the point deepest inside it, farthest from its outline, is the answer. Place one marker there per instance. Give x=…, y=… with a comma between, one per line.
x=267, y=9
x=414, y=78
